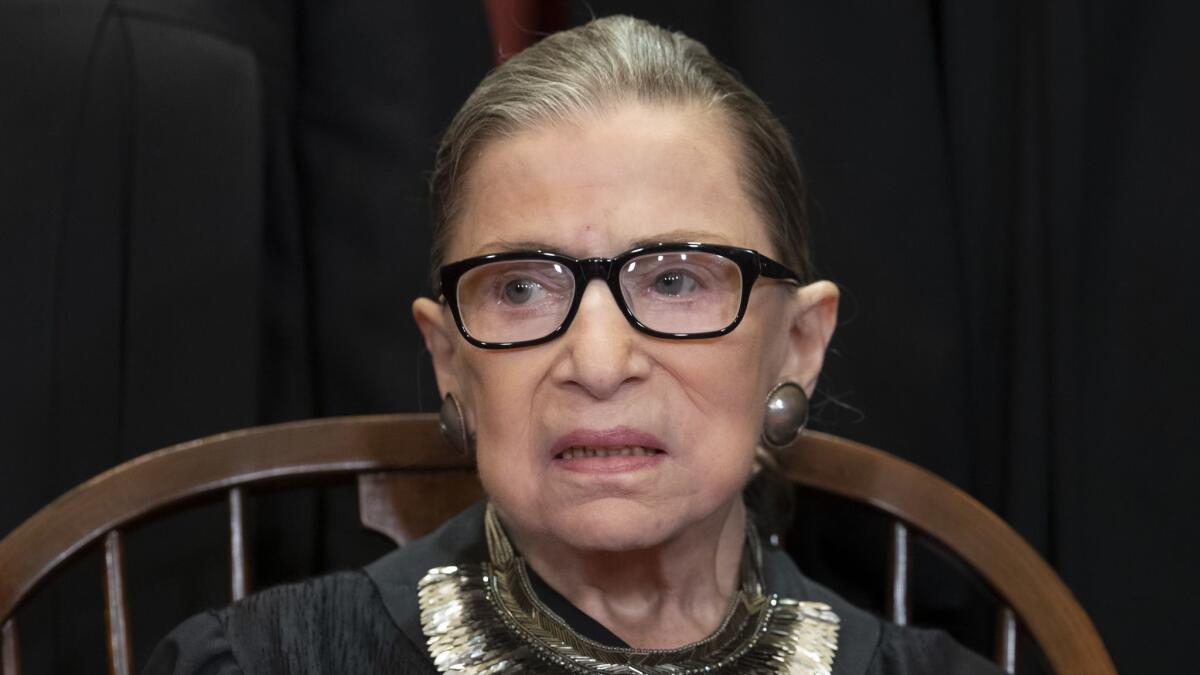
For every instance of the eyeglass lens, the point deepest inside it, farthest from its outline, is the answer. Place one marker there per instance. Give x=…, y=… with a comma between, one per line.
x=677, y=292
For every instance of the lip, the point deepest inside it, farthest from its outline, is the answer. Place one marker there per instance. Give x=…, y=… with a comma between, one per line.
x=613, y=437
x=612, y=465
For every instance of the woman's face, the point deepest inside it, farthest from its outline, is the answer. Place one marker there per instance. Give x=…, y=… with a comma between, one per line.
x=632, y=175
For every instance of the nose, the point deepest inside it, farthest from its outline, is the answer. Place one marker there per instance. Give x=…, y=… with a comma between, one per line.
x=602, y=354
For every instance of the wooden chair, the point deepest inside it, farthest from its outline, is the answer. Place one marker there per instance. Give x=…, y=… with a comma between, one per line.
x=409, y=482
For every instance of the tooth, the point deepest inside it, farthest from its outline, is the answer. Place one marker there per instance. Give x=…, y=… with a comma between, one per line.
x=585, y=451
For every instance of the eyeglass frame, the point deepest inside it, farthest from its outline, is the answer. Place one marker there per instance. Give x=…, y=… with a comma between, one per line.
x=751, y=264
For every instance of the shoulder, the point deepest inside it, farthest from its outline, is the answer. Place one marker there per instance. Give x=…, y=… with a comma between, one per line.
x=361, y=621
x=868, y=645
x=197, y=646
x=338, y=605
x=335, y=623
x=908, y=651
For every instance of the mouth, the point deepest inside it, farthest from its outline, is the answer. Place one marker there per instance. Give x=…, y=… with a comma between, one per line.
x=613, y=450
x=583, y=452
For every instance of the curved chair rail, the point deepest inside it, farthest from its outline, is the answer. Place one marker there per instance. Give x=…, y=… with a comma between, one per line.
x=377, y=443
x=946, y=514
x=154, y=481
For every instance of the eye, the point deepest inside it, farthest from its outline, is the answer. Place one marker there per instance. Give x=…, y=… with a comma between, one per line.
x=520, y=291
x=674, y=283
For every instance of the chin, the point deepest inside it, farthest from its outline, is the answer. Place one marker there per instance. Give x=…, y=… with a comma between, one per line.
x=615, y=525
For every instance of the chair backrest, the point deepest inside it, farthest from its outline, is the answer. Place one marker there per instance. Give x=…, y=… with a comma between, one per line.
x=409, y=481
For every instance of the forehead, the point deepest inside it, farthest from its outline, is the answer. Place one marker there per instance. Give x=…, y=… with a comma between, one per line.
x=603, y=183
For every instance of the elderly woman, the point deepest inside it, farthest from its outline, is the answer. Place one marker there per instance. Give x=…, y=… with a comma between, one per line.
x=628, y=324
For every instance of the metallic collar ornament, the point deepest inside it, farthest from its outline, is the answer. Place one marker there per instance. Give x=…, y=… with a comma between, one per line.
x=485, y=618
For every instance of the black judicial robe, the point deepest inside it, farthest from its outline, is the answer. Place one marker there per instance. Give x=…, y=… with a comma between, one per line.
x=368, y=621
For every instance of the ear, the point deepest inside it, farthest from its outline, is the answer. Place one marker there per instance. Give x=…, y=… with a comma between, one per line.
x=812, y=327
x=441, y=339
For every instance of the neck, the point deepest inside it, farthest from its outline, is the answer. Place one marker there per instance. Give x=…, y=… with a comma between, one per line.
x=662, y=597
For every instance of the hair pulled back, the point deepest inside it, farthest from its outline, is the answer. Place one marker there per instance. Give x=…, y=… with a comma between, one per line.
x=605, y=63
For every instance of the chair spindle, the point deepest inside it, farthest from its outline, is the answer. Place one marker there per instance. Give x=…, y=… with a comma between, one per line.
x=1006, y=639
x=239, y=575
x=898, y=574
x=115, y=612
x=10, y=652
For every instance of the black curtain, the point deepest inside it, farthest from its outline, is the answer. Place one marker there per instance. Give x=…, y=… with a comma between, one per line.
x=212, y=216
x=1006, y=192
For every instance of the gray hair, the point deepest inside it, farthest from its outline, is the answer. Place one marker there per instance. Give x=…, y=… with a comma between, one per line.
x=605, y=62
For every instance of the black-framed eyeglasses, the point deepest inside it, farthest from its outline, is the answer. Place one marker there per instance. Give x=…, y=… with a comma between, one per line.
x=669, y=290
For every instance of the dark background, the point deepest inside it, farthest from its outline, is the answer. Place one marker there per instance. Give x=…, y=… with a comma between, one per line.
x=212, y=216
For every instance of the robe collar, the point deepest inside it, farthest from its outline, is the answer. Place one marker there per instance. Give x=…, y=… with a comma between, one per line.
x=461, y=540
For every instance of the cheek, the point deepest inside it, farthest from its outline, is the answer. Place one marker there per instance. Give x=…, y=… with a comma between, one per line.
x=731, y=374
x=495, y=386
x=499, y=396
x=722, y=384
x=720, y=389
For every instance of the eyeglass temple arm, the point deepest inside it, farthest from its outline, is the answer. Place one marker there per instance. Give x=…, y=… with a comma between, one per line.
x=773, y=270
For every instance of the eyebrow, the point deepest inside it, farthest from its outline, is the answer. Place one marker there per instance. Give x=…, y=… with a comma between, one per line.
x=509, y=245
x=682, y=235
x=701, y=236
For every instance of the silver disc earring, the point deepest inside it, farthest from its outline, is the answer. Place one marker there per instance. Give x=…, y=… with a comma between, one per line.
x=452, y=424
x=787, y=415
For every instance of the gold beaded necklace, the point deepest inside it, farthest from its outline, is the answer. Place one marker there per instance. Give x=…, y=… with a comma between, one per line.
x=485, y=618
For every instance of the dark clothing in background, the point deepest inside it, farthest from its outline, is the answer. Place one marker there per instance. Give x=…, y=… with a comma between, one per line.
x=369, y=622
x=212, y=215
